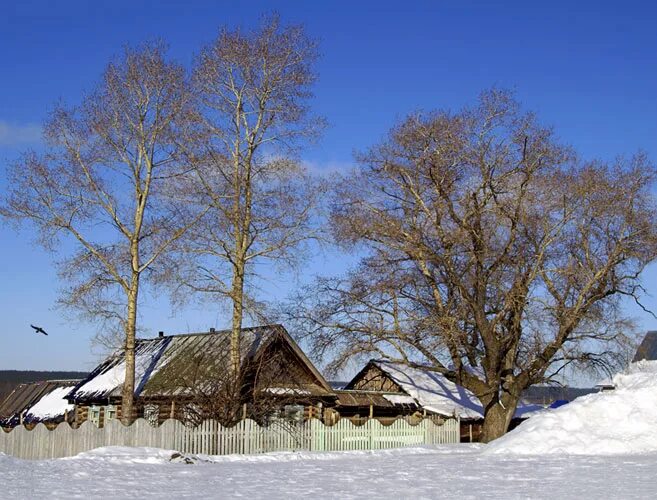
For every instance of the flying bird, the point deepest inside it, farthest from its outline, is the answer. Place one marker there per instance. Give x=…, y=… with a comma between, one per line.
x=38, y=329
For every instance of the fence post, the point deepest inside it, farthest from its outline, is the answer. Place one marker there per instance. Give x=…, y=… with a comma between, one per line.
x=211, y=437
x=372, y=426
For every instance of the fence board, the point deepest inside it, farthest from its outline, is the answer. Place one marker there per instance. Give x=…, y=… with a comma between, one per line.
x=211, y=438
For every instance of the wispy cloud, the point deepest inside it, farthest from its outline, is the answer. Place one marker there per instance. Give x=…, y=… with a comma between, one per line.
x=13, y=134
x=328, y=168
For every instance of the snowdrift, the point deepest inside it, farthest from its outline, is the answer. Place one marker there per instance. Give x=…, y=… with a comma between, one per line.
x=622, y=421
x=123, y=455
x=127, y=455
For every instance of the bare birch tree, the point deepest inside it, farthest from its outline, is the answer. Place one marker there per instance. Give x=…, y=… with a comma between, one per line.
x=98, y=185
x=252, y=89
x=492, y=255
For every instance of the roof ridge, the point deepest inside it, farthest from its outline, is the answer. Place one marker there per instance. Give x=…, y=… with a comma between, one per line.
x=216, y=332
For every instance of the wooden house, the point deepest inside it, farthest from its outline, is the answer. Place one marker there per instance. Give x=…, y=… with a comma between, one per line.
x=38, y=402
x=647, y=350
x=398, y=390
x=180, y=376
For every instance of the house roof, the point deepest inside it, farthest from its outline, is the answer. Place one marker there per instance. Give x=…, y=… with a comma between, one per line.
x=159, y=362
x=433, y=392
x=51, y=406
x=374, y=398
x=648, y=348
x=548, y=394
x=10, y=379
x=36, y=402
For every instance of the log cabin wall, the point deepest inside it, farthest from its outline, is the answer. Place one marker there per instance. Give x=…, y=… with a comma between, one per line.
x=372, y=378
x=283, y=368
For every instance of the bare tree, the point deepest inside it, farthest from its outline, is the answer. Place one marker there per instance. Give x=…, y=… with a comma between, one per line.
x=252, y=90
x=491, y=254
x=99, y=185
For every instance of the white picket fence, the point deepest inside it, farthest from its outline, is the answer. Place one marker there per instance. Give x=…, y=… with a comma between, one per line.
x=211, y=438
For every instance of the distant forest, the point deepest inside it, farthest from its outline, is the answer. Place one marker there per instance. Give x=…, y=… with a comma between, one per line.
x=9, y=379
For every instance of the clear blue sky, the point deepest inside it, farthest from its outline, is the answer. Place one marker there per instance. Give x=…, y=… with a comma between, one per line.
x=588, y=68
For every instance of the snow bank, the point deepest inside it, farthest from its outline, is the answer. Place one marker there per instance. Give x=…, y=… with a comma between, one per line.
x=394, y=474
x=146, y=455
x=128, y=455
x=623, y=421
x=292, y=456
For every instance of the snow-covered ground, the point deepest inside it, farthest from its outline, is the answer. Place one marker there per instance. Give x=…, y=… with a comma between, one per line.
x=599, y=446
x=448, y=471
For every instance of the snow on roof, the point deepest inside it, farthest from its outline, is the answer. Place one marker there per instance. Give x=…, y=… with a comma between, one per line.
x=435, y=393
x=288, y=391
x=161, y=363
x=605, y=383
x=107, y=379
x=647, y=350
x=22, y=399
x=50, y=406
x=399, y=399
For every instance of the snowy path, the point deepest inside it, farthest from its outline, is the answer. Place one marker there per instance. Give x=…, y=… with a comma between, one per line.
x=445, y=472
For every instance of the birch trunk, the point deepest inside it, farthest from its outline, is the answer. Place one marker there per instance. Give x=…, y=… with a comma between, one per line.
x=128, y=391
x=238, y=314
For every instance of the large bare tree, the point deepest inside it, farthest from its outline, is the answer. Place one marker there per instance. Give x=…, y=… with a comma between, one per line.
x=98, y=188
x=491, y=254
x=252, y=91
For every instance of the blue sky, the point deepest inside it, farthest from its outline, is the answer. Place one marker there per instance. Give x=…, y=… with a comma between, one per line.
x=589, y=69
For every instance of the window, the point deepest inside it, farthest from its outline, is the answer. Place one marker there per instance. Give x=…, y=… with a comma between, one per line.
x=152, y=414
x=110, y=413
x=94, y=415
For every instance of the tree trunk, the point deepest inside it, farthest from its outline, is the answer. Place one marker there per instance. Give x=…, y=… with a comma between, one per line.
x=238, y=311
x=128, y=392
x=497, y=419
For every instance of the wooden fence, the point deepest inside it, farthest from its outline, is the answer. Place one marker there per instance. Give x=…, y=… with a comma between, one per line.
x=211, y=438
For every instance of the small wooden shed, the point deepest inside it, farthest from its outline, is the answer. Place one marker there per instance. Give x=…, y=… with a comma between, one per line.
x=36, y=402
x=406, y=391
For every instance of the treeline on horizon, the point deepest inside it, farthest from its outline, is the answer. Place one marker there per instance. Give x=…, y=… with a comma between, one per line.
x=10, y=379
x=22, y=376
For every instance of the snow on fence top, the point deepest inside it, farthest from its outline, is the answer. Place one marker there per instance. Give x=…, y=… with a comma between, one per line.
x=622, y=421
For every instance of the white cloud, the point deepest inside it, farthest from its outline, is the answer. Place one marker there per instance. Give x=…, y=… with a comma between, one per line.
x=12, y=134
x=327, y=169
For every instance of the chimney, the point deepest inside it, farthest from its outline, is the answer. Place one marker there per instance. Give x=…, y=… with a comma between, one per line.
x=212, y=330
x=160, y=334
